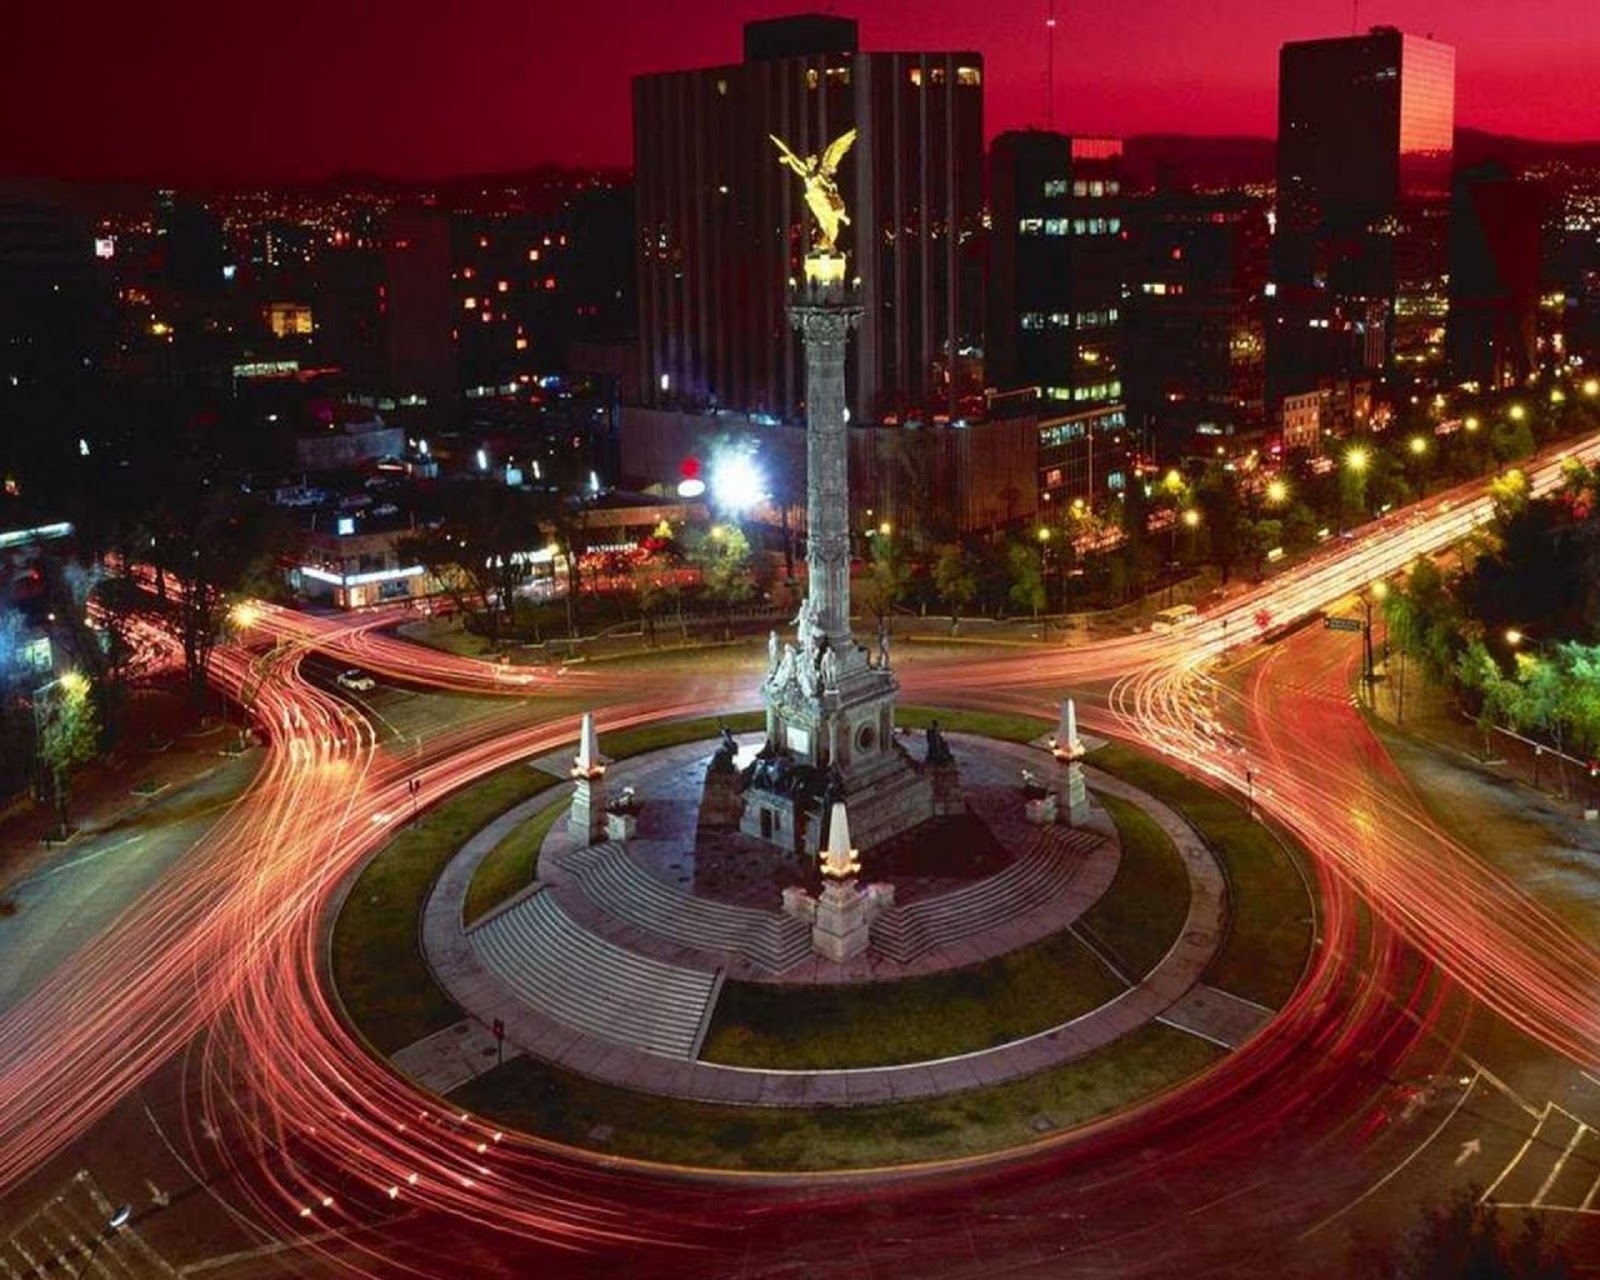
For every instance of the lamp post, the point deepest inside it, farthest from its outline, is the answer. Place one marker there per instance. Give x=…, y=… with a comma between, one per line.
x=1378, y=591
x=1044, y=574
x=114, y=1224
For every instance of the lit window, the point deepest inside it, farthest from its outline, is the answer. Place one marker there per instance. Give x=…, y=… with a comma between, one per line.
x=1055, y=226
x=812, y=78
x=935, y=75
x=915, y=75
x=533, y=255
x=1112, y=187
x=1030, y=226
x=1080, y=188
x=501, y=286
x=970, y=76
x=1097, y=188
x=1033, y=320
x=1114, y=225
x=1055, y=186
x=1080, y=226
x=522, y=344
x=469, y=304
x=722, y=88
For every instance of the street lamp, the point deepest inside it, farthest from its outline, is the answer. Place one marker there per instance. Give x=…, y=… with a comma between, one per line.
x=114, y=1224
x=1377, y=592
x=1418, y=445
x=1517, y=412
x=1277, y=492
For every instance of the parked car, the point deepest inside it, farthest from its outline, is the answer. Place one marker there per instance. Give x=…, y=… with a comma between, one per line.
x=356, y=680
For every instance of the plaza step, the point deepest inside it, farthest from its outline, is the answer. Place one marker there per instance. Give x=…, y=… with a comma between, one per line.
x=624, y=890
x=591, y=984
x=905, y=933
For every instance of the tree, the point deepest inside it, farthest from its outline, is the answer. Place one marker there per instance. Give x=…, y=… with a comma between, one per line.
x=478, y=550
x=1026, y=571
x=888, y=577
x=1465, y=1240
x=1217, y=495
x=956, y=580
x=722, y=554
x=69, y=734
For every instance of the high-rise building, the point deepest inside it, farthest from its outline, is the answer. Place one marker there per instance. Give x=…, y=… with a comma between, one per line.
x=1194, y=319
x=1058, y=257
x=722, y=224
x=1365, y=138
x=1495, y=228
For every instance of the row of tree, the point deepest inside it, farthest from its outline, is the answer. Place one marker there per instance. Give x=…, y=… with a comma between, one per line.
x=1511, y=627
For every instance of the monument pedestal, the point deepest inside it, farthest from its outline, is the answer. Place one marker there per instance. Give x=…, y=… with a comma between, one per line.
x=1072, y=796
x=586, y=823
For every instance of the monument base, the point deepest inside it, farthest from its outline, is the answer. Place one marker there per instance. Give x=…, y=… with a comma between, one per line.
x=586, y=823
x=721, y=805
x=1072, y=796
x=887, y=799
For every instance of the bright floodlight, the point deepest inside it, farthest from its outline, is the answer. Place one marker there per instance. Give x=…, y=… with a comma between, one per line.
x=737, y=484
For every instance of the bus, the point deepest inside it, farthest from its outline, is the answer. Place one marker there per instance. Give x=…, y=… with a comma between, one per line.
x=1179, y=615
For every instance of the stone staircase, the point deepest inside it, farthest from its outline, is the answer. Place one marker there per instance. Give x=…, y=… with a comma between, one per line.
x=621, y=888
x=586, y=982
x=905, y=933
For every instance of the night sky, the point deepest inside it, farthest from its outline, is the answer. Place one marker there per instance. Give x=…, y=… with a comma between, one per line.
x=194, y=90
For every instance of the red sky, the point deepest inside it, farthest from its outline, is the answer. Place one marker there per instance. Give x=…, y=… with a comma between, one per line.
x=230, y=89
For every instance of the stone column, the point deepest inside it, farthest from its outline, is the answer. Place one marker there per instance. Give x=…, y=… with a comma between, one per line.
x=825, y=319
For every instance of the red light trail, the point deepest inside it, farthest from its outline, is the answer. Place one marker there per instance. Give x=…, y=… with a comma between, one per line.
x=226, y=952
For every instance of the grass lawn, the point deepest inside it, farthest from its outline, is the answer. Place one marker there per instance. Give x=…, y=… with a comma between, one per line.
x=531, y=1096
x=1141, y=914
x=510, y=866
x=1053, y=980
x=1005, y=726
x=377, y=965
x=1270, y=926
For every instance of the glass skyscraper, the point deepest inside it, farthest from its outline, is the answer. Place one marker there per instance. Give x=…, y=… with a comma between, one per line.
x=1365, y=136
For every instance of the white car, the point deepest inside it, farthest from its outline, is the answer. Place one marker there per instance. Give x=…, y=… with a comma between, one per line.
x=356, y=680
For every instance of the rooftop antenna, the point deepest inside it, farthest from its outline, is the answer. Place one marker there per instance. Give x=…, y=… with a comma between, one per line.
x=1355, y=17
x=1050, y=69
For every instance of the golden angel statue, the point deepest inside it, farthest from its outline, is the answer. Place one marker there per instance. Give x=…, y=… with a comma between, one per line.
x=822, y=192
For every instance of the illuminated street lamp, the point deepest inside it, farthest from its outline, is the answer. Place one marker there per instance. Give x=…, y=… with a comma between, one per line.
x=1471, y=423
x=1591, y=387
x=1513, y=637
x=1418, y=445
x=1517, y=412
x=1356, y=459
x=1277, y=492
x=114, y=1224
x=1377, y=592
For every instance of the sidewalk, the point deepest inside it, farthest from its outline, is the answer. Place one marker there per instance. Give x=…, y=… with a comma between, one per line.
x=109, y=793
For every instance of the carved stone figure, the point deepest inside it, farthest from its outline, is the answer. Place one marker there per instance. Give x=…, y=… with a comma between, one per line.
x=830, y=669
x=883, y=646
x=772, y=653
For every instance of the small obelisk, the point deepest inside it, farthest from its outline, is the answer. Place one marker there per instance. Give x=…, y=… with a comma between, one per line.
x=841, y=929
x=586, y=824
x=1072, y=797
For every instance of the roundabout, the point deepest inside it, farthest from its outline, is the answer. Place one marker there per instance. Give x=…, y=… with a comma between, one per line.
x=1026, y=980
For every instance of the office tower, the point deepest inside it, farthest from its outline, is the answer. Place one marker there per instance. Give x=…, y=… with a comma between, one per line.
x=1058, y=255
x=1495, y=225
x=1365, y=136
x=722, y=225
x=1194, y=321
x=416, y=304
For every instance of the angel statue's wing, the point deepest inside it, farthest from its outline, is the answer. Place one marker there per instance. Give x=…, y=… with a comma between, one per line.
x=836, y=150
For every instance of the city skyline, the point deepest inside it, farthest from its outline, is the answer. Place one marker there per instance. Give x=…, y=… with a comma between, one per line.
x=430, y=95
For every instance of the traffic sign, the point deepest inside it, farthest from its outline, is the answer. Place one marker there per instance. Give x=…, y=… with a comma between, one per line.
x=1342, y=624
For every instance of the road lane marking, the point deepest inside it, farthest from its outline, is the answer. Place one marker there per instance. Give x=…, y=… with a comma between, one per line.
x=79, y=861
x=1417, y=1151
x=1521, y=1151
x=1555, y=1169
